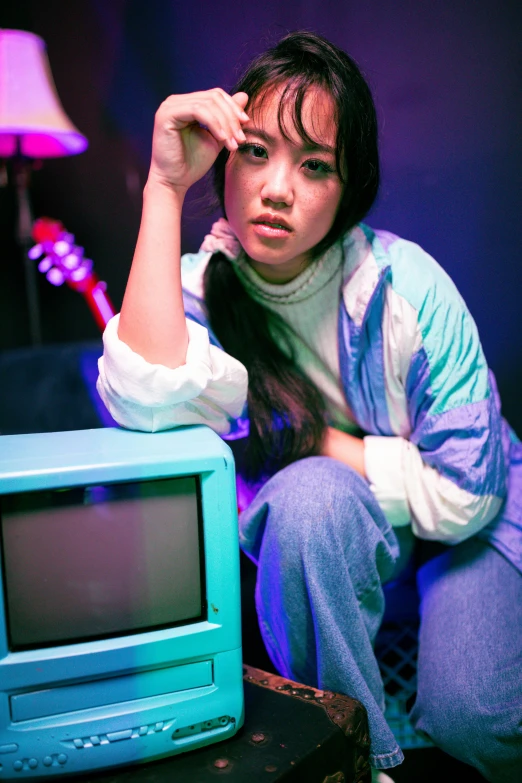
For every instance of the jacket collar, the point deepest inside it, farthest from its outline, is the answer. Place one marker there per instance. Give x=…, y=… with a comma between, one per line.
x=366, y=265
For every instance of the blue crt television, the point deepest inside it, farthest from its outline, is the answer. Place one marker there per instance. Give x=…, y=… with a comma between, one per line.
x=120, y=637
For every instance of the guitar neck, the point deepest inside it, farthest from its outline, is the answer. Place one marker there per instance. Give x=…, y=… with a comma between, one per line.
x=94, y=292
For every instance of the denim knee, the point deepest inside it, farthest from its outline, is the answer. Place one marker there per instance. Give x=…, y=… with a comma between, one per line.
x=486, y=736
x=321, y=502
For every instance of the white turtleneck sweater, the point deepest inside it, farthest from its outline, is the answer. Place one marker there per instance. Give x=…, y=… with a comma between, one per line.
x=309, y=306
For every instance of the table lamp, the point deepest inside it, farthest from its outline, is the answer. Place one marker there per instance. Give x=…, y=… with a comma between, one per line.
x=33, y=125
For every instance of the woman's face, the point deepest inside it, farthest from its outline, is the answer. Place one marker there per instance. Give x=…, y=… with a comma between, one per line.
x=281, y=197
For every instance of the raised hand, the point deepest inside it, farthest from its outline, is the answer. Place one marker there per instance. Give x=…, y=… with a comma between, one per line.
x=189, y=132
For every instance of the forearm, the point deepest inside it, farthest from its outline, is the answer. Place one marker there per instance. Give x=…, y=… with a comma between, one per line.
x=152, y=320
x=345, y=448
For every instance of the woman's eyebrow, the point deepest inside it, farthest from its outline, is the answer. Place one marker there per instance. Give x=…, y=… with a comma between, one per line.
x=315, y=147
x=261, y=134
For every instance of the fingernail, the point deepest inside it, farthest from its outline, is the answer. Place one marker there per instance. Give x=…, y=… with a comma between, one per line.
x=233, y=143
x=244, y=116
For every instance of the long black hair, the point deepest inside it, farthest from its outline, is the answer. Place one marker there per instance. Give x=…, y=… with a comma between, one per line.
x=286, y=411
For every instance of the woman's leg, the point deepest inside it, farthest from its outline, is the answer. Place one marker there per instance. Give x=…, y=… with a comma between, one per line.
x=323, y=548
x=470, y=659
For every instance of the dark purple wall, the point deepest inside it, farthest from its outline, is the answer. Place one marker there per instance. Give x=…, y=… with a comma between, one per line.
x=447, y=82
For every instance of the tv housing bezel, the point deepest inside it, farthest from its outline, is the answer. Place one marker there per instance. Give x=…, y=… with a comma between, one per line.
x=190, y=673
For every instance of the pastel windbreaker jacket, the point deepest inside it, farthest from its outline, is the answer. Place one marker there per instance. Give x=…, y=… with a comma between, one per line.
x=438, y=454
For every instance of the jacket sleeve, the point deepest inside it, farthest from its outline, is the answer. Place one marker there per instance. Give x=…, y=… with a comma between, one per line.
x=210, y=388
x=445, y=471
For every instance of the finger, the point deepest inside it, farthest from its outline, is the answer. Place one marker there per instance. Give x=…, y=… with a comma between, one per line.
x=234, y=114
x=193, y=108
x=234, y=117
x=201, y=108
x=236, y=105
x=216, y=122
x=228, y=127
x=241, y=98
x=229, y=120
x=220, y=134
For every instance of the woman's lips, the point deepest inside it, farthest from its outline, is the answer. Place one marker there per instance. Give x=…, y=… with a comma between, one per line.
x=269, y=230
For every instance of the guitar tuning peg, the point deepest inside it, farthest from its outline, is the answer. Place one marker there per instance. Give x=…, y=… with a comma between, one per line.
x=34, y=252
x=71, y=261
x=62, y=247
x=55, y=276
x=45, y=264
x=80, y=273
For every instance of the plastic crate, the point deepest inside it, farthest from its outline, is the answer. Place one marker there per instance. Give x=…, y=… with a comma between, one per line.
x=396, y=650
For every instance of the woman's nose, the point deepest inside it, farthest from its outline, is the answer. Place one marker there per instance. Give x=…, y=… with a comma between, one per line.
x=277, y=186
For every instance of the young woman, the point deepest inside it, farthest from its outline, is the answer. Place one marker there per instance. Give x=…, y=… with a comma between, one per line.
x=352, y=362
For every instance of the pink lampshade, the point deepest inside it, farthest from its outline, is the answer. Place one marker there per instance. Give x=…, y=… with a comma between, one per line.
x=30, y=109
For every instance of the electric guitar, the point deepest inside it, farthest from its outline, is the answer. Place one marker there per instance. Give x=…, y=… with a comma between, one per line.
x=62, y=261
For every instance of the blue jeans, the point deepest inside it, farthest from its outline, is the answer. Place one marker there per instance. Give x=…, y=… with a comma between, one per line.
x=323, y=549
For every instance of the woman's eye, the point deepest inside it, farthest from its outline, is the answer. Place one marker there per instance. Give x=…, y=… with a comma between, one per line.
x=318, y=167
x=253, y=150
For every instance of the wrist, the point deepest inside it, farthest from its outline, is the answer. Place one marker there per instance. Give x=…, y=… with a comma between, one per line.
x=345, y=448
x=158, y=186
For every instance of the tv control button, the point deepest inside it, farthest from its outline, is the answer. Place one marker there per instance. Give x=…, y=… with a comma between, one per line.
x=78, y=743
x=12, y=747
x=33, y=763
x=143, y=730
x=47, y=761
x=95, y=740
x=159, y=726
x=18, y=765
x=116, y=736
x=62, y=758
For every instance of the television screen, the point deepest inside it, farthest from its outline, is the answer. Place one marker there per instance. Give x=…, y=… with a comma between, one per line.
x=90, y=562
